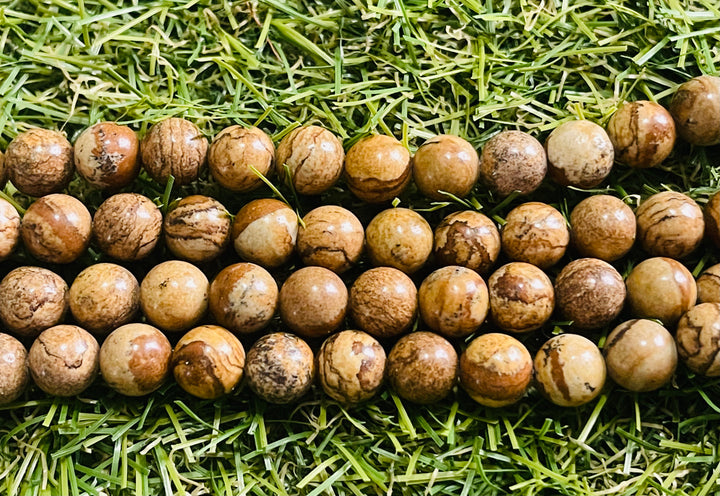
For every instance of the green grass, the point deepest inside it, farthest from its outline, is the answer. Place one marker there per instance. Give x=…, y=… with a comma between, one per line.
x=413, y=69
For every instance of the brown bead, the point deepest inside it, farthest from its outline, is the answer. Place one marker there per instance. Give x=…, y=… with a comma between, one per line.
x=56, y=229
x=208, y=362
x=642, y=134
x=400, y=238
x=280, y=368
x=383, y=302
x=107, y=155
x=495, y=370
x=3, y=170
x=127, y=226
x=469, y=239
x=377, y=168
x=9, y=229
x=33, y=299
x=603, y=227
x=513, y=161
x=535, y=233
x=233, y=151
x=14, y=372
x=589, y=292
x=197, y=229
x=265, y=232
x=422, y=367
x=314, y=157
x=698, y=339
x=711, y=215
x=696, y=110
x=351, y=366
x=640, y=355
x=708, y=285
x=445, y=163
x=332, y=237
x=135, y=359
x=174, y=146
x=243, y=297
x=579, y=154
x=522, y=297
x=570, y=370
x=63, y=360
x=670, y=224
x=313, y=302
x=39, y=162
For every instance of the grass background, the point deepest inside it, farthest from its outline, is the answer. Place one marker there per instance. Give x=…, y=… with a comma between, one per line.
x=412, y=69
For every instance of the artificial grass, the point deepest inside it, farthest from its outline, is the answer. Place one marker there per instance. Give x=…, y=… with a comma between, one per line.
x=408, y=68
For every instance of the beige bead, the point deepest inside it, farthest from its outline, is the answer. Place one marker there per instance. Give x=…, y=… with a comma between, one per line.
x=107, y=155
x=39, y=162
x=377, y=168
x=9, y=229
x=603, y=227
x=513, y=161
x=698, y=339
x=174, y=146
x=400, y=238
x=642, y=134
x=535, y=233
x=696, y=110
x=233, y=151
x=332, y=237
x=14, y=372
x=127, y=226
x=314, y=157
x=445, y=163
x=708, y=285
x=197, y=229
x=467, y=238
x=522, y=297
x=579, y=154
x=265, y=232
x=670, y=224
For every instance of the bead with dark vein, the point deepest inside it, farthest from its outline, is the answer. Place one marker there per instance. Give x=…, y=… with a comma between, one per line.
x=642, y=134
x=698, y=339
x=14, y=372
x=127, y=226
x=377, y=168
x=107, y=155
x=174, y=146
x=9, y=228
x=400, y=238
x=603, y=227
x=314, y=159
x=696, y=110
x=234, y=152
x=670, y=224
x=708, y=285
x=513, y=161
x=535, y=233
x=579, y=154
x=331, y=237
x=445, y=164
x=197, y=229
x=467, y=238
x=39, y=162
x=265, y=232
x=522, y=298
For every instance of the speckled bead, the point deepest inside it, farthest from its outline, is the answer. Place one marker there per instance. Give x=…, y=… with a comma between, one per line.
x=422, y=367
x=39, y=162
x=280, y=368
x=711, y=214
x=698, y=339
x=495, y=370
x=14, y=372
x=522, y=297
x=469, y=239
x=332, y=237
x=579, y=154
x=174, y=146
x=603, y=227
x=314, y=157
x=445, y=163
x=377, y=168
x=107, y=155
x=233, y=151
x=351, y=366
x=670, y=224
x=197, y=229
x=265, y=232
x=9, y=229
x=569, y=370
x=640, y=355
x=708, y=285
x=535, y=233
x=400, y=238
x=642, y=134
x=696, y=110
x=513, y=161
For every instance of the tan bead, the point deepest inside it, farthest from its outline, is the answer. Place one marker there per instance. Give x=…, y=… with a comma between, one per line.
x=332, y=237
x=233, y=151
x=351, y=366
x=14, y=372
x=208, y=362
x=535, y=233
x=445, y=163
x=174, y=146
x=579, y=154
x=708, y=285
x=698, y=339
x=56, y=229
x=107, y=155
x=135, y=359
x=243, y=298
x=522, y=297
x=400, y=238
x=9, y=229
x=670, y=224
x=603, y=227
x=570, y=370
x=127, y=226
x=314, y=157
x=640, y=355
x=495, y=370
x=469, y=239
x=197, y=229
x=513, y=161
x=696, y=110
x=642, y=134
x=39, y=162
x=265, y=232
x=711, y=215
x=377, y=168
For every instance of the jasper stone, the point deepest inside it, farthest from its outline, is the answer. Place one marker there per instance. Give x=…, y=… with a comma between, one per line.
x=107, y=155
x=513, y=161
x=197, y=229
x=9, y=229
x=377, y=168
x=14, y=372
x=696, y=110
x=698, y=339
x=445, y=163
x=332, y=237
x=39, y=162
x=232, y=154
x=127, y=226
x=522, y=297
x=469, y=239
x=174, y=146
x=670, y=224
x=579, y=154
x=535, y=233
x=399, y=238
x=603, y=227
x=265, y=232
x=642, y=133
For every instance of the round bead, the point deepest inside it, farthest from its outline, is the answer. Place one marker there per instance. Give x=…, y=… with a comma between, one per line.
x=233, y=151
x=642, y=134
x=314, y=157
x=332, y=237
x=39, y=162
x=265, y=232
x=197, y=229
x=670, y=224
x=445, y=163
x=708, y=285
x=513, y=161
x=696, y=110
x=14, y=372
x=535, y=233
x=469, y=239
x=400, y=238
x=579, y=154
x=107, y=155
x=377, y=168
x=174, y=147
x=9, y=229
x=603, y=227
x=698, y=339
x=711, y=215
x=127, y=226
x=522, y=297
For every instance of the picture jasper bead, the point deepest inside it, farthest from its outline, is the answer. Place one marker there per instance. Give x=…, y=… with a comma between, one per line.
x=422, y=367
x=127, y=226
x=56, y=229
x=535, y=233
x=711, y=214
x=135, y=359
x=708, y=285
x=107, y=155
x=445, y=163
x=3, y=170
x=642, y=134
x=331, y=237
x=174, y=147
x=383, y=302
x=265, y=232
x=522, y=298
x=698, y=339
x=579, y=154
x=696, y=110
x=208, y=362
x=495, y=370
x=197, y=229
x=233, y=151
x=640, y=355
x=603, y=227
x=39, y=162
x=14, y=372
x=513, y=161
x=351, y=366
x=469, y=239
x=377, y=168
x=280, y=368
x=399, y=238
x=314, y=157
x=9, y=229
x=670, y=224
x=569, y=370
x=590, y=293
